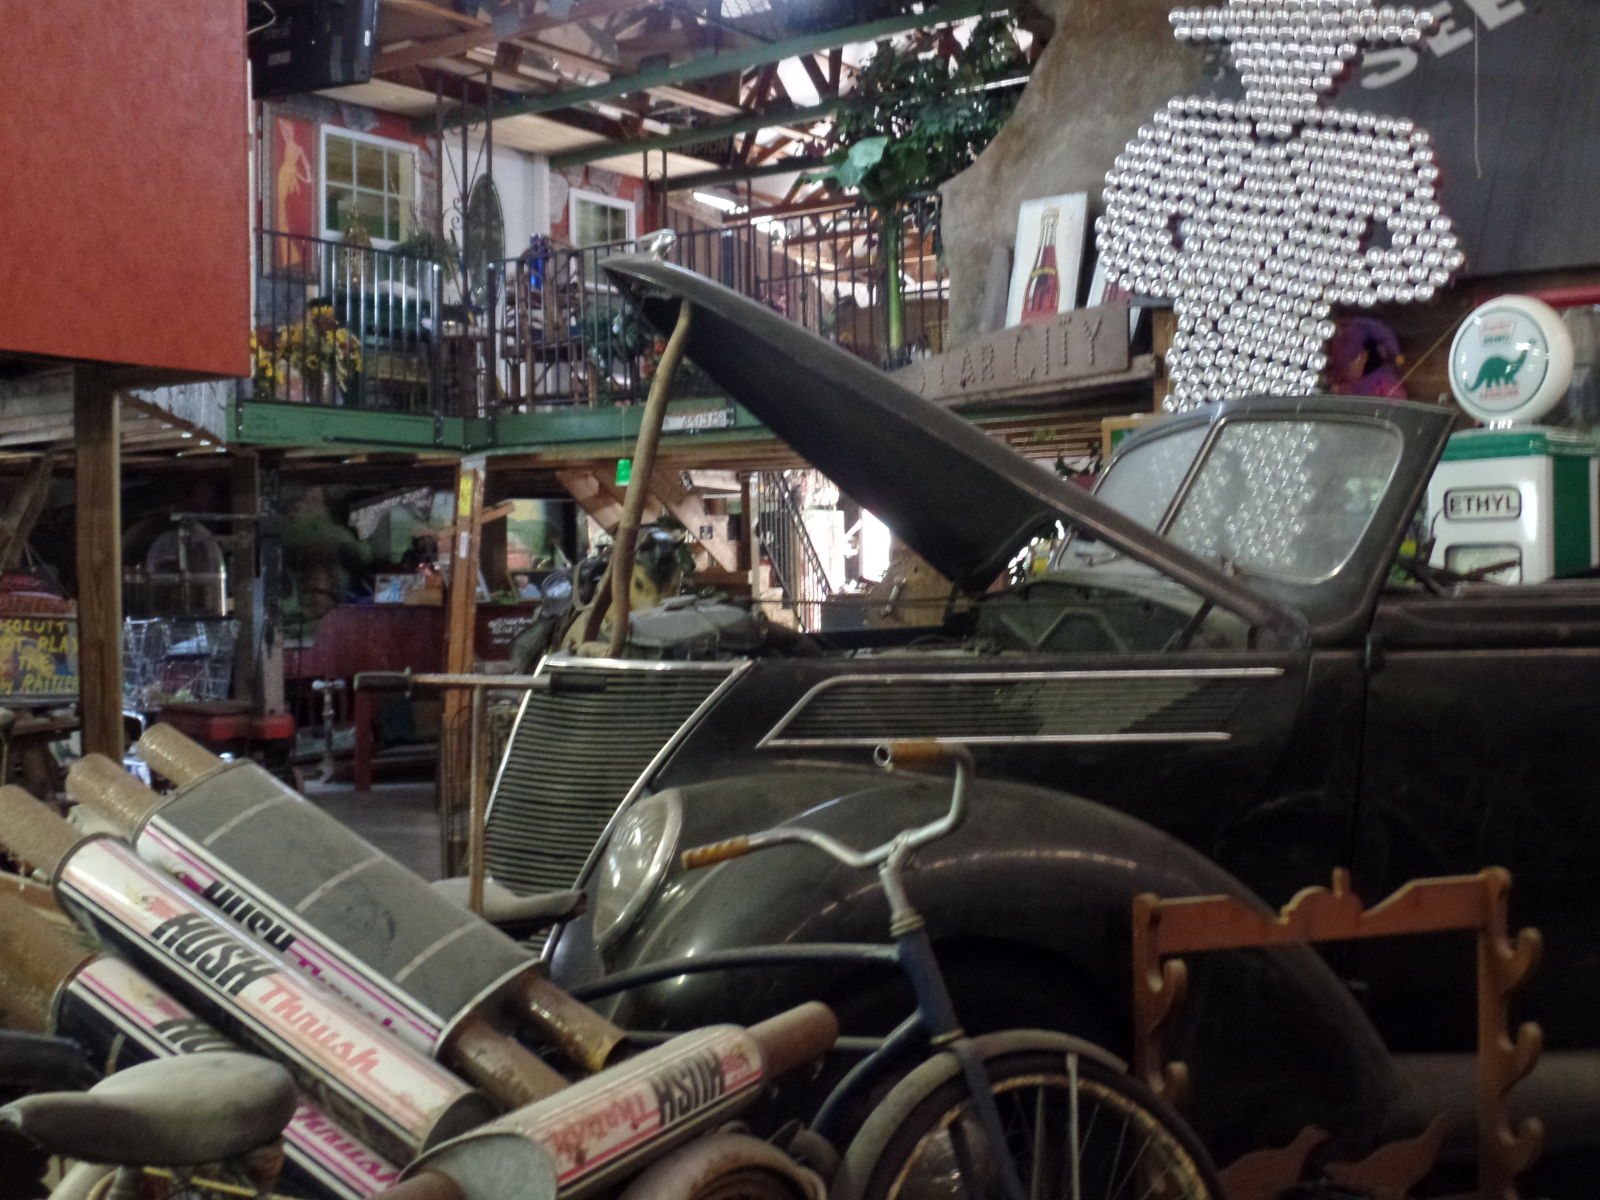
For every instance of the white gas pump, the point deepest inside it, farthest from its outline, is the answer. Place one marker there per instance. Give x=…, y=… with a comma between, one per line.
x=1514, y=492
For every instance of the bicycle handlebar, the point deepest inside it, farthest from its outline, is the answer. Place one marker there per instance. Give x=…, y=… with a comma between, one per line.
x=889, y=755
x=924, y=752
x=715, y=852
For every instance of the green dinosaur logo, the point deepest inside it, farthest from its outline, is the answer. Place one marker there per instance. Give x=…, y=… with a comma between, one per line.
x=1498, y=371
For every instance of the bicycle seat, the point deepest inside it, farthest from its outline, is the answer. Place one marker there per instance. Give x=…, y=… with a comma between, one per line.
x=173, y=1112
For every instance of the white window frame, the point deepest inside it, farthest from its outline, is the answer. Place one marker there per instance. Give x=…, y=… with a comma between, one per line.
x=356, y=135
x=576, y=194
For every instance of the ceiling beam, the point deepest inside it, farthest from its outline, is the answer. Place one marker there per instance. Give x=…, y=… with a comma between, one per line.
x=426, y=8
x=688, y=99
x=699, y=133
x=412, y=53
x=572, y=60
x=684, y=183
x=759, y=98
x=469, y=90
x=736, y=60
x=819, y=79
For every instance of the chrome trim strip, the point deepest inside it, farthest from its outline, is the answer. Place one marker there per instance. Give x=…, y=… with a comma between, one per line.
x=1038, y=739
x=735, y=671
x=505, y=757
x=554, y=661
x=774, y=737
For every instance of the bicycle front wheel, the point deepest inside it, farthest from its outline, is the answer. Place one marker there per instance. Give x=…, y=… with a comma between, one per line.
x=1075, y=1128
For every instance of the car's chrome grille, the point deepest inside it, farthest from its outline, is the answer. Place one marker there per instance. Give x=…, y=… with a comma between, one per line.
x=572, y=758
x=993, y=709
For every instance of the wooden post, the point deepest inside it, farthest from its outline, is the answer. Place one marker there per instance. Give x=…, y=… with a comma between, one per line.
x=97, y=477
x=244, y=583
x=747, y=527
x=269, y=557
x=455, y=767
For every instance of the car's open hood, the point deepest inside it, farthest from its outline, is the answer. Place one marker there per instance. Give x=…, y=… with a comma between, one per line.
x=959, y=498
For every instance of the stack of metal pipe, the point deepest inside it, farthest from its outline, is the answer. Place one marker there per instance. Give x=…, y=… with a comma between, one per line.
x=235, y=899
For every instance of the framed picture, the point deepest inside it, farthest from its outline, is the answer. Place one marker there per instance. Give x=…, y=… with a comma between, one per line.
x=1048, y=257
x=1100, y=292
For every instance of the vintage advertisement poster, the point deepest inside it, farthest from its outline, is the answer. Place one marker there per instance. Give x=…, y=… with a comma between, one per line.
x=1047, y=258
x=294, y=174
x=38, y=659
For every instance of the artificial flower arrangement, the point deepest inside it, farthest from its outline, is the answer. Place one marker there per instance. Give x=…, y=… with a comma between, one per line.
x=317, y=350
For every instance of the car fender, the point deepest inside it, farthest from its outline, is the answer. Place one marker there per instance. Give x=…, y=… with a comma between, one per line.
x=1046, y=879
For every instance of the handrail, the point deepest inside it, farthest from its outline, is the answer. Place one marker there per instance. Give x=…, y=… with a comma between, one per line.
x=780, y=527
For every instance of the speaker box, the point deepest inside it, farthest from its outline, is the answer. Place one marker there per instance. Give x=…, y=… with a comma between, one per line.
x=311, y=44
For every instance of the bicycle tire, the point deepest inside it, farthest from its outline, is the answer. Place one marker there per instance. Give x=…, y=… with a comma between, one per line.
x=924, y=1142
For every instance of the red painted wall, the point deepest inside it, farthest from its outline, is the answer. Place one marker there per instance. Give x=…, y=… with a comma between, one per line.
x=124, y=187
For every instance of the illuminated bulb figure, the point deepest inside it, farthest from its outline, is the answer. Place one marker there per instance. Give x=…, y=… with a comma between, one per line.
x=1255, y=217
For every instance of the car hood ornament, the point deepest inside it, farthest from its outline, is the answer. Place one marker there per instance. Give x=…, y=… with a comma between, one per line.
x=1255, y=217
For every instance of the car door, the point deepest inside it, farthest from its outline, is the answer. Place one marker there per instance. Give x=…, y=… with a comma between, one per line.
x=1481, y=751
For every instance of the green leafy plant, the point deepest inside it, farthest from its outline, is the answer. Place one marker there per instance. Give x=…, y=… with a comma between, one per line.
x=916, y=119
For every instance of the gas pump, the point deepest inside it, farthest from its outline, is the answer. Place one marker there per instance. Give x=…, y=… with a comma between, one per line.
x=1515, y=495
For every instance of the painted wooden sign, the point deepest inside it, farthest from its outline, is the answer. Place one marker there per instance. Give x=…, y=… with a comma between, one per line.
x=38, y=659
x=1026, y=358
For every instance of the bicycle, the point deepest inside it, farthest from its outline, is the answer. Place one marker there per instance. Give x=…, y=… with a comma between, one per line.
x=1033, y=1093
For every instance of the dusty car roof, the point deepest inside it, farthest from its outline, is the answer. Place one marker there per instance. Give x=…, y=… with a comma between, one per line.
x=962, y=500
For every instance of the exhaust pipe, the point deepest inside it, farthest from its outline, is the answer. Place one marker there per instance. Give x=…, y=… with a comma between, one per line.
x=602, y=1129
x=396, y=1100
x=361, y=921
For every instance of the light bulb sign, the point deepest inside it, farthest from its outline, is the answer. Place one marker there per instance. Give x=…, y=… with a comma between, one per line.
x=1511, y=361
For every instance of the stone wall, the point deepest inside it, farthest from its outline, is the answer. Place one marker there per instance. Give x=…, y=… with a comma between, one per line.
x=1108, y=65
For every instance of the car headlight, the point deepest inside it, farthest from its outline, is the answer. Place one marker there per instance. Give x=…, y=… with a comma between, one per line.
x=635, y=859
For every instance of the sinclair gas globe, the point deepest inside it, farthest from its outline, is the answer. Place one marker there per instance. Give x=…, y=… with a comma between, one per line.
x=1514, y=496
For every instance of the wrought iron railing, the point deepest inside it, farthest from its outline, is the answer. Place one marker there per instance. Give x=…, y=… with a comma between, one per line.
x=786, y=546
x=568, y=337
x=351, y=326
x=354, y=326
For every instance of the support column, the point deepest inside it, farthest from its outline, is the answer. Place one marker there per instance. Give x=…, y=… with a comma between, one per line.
x=97, y=478
x=244, y=583
x=455, y=736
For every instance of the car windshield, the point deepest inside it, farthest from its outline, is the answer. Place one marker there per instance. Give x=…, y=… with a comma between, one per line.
x=1289, y=499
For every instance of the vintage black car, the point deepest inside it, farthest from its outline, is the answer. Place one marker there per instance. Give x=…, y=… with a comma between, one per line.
x=1222, y=685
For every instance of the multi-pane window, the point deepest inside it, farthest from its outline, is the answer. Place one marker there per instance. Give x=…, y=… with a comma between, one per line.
x=597, y=220
x=365, y=179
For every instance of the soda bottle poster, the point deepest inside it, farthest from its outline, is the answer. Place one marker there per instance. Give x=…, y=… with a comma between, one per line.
x=38, y=659
x=1047, y=257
